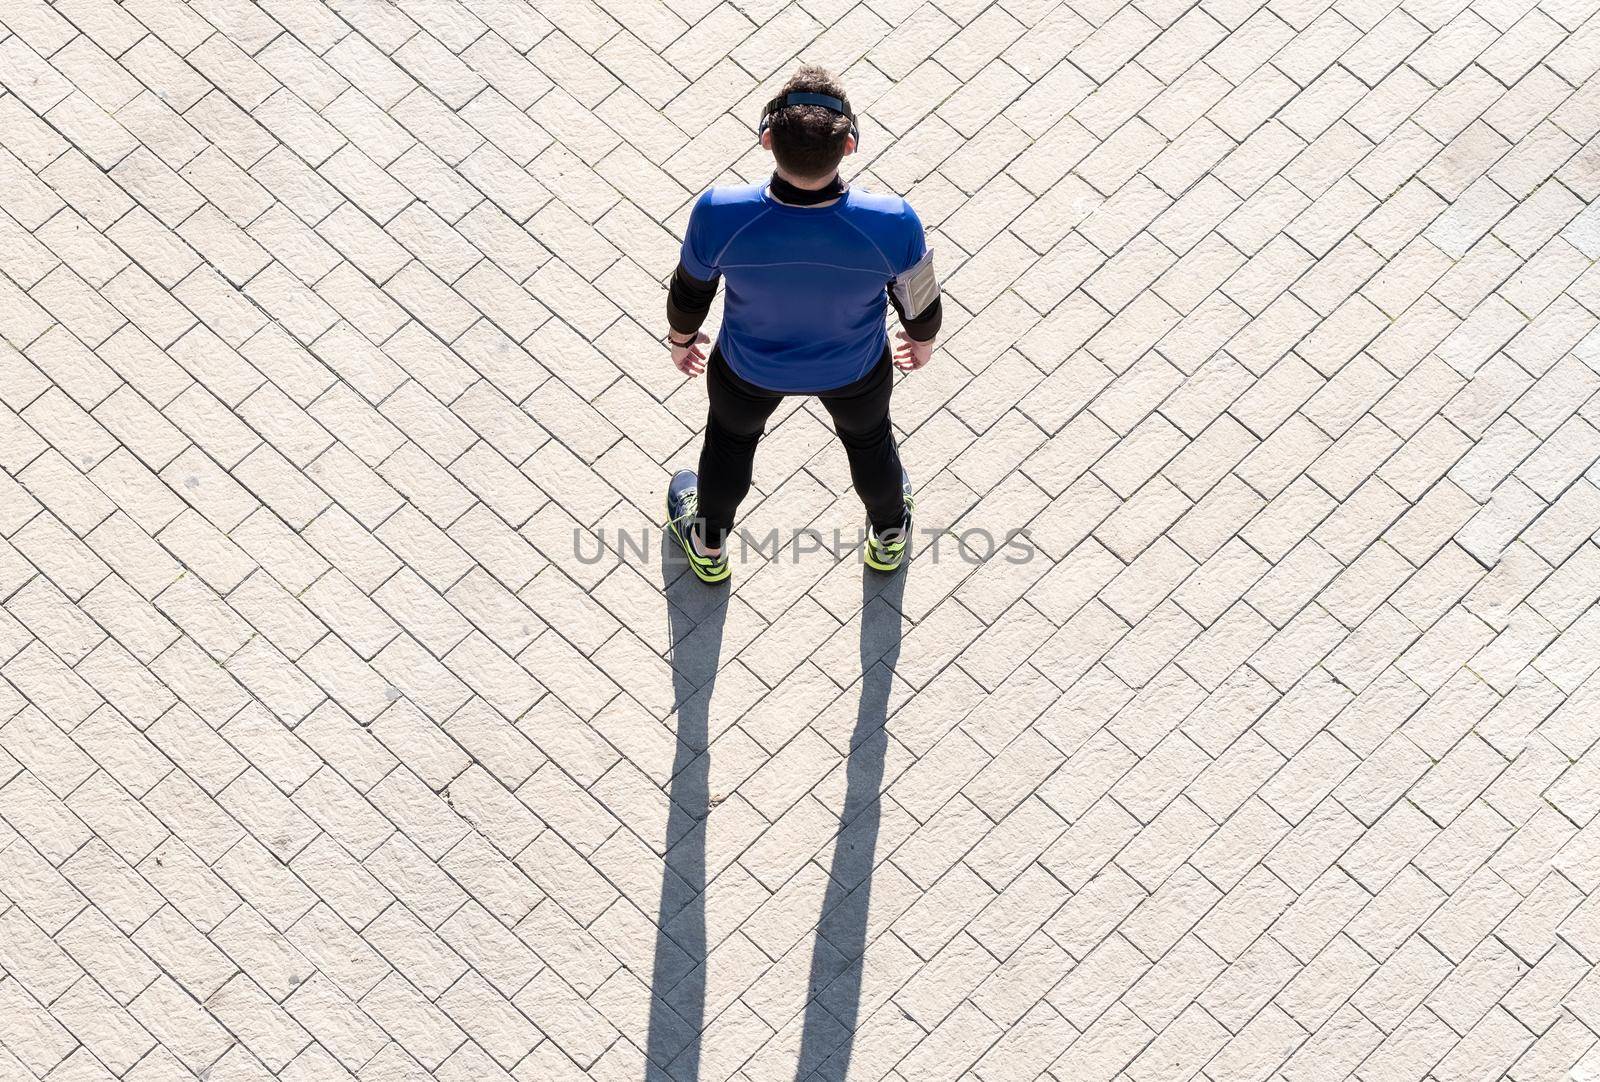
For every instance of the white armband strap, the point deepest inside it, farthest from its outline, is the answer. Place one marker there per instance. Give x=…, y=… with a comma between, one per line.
x=917, y=287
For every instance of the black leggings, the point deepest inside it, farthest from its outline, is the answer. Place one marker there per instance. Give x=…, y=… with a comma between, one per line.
x=738, y=417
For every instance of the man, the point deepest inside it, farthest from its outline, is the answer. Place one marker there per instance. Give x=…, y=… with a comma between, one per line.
x=808, y=263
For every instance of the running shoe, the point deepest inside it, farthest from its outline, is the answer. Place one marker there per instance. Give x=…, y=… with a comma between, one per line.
x=683, y=510
x=886, y=551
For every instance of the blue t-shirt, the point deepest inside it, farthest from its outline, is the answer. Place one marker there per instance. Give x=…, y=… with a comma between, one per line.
x=805, y=286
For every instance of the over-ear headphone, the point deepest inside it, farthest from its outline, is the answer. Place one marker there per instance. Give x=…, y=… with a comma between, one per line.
x=803, y=97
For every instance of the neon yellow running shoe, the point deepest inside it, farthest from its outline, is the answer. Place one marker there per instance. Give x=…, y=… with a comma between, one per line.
x=683, y=509
x=886, y=551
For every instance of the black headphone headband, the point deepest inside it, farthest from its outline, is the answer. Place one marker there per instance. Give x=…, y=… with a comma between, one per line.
x=806, y=97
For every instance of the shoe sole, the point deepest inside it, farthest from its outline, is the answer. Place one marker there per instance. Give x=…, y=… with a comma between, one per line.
x=876, y=566
x=867, y=558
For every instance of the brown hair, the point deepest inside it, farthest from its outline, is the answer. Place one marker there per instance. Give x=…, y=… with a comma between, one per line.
x=808, y=140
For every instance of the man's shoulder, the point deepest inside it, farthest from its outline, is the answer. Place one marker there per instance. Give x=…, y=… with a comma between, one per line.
x=731, y=195
x=880, y=203
x=885, y=216
x=724, y=208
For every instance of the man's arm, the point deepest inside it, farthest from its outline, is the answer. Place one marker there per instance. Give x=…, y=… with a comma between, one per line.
x=925, y=326
x=689, y=294
x=688, y=301
x=914, y=292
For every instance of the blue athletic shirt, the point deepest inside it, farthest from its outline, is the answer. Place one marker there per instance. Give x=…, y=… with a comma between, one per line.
x=805, y=286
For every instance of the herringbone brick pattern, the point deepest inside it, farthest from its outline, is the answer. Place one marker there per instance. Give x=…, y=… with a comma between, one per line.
x=330, y=330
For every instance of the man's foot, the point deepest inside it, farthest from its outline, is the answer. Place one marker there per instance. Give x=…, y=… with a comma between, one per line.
x=683, y=510
x=886, y=551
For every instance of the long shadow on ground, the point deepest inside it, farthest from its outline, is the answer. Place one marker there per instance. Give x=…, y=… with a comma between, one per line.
x=677, y=985
x=827, y=1037
x=677, y=1006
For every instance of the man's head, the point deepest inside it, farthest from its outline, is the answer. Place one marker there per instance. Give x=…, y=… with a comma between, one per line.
x=808, y=141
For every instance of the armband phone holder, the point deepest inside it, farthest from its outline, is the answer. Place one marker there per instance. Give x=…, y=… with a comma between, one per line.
x=917, y=287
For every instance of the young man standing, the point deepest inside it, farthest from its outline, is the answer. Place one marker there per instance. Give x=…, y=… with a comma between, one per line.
x=809, y=263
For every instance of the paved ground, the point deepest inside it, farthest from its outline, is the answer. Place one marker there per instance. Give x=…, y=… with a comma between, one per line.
x=331, y=332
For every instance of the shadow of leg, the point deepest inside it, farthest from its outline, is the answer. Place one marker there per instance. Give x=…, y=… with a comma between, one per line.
x=828, y=1031
x=677, y=1001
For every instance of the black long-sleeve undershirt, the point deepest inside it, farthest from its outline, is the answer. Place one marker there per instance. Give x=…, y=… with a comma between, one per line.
x=689, y=299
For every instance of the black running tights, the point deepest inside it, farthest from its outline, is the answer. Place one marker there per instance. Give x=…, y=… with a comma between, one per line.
x=738, y=418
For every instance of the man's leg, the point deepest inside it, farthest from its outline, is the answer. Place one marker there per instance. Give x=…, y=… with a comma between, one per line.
x=734, y=425
x=860, y=413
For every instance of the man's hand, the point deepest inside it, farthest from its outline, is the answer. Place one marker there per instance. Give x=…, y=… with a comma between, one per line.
x=911, y=354
x=686, y=352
